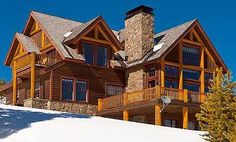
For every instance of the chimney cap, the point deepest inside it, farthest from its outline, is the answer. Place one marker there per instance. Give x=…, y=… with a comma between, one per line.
x=139, y=9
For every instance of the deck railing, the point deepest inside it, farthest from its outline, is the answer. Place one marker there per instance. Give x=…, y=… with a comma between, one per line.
x=24, y=61
x=46, y=60
x=42, y=60
x=148, y=95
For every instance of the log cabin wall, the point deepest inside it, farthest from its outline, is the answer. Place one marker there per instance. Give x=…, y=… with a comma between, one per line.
x=96, y=77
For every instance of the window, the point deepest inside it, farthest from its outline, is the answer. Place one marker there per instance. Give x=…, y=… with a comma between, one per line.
x=151, y=77
x=191, y=74
x=191, y=87
x=151, y=83
x=88, y=54
x=102, y=56
x=81, y=90
x=151, y=71
x=67, y=89
x=95, y=55
x=191, y=125
x=171, y=84
x=170, y=123
x=37, y=89
x=191, y=56
x=112, y=90
x=208, y=76
x=171, y=71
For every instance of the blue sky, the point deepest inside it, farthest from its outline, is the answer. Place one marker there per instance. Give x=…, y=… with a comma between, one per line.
x=218, y=18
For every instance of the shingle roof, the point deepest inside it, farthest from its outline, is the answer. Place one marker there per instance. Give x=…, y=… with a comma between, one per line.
x=167, y=38
x=56, y=28
x=27, y=43
x=77, y=30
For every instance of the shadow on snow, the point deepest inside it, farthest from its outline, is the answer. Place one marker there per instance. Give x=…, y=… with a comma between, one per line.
x=12, y=121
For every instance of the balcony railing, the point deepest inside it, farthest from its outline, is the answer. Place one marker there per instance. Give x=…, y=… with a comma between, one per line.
x=41, y=60
x=45, y=60
x=147, y=95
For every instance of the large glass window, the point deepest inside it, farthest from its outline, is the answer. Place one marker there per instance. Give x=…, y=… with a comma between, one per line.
x=88, y=53
x=151, y=71
x=67, y=89
x=81, y=90
x=208, y=76
x=171, y=71
x=191, y=56
x=112, y=90
x=95, y=55
x=170, y=123
x=151, y=83
x=191, y=87
x=171, y=84
x=102, y=56
x=191, y=74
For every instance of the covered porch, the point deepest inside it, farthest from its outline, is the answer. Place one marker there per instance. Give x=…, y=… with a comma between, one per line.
x=144, y=106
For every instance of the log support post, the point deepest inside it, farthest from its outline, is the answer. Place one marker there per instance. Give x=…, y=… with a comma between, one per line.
x=14, y=83
x=157, y=115
x=32, y=75
x=185, y=117
x=125, y=115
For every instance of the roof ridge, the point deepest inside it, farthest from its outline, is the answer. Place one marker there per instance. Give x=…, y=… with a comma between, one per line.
x=174, y=27
x=59, y=17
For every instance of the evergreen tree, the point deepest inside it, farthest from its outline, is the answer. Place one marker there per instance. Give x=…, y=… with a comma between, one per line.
x=218, y=112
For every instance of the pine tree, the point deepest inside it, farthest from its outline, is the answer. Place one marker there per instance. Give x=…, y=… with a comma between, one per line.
x=218, y=112
x=2, y=82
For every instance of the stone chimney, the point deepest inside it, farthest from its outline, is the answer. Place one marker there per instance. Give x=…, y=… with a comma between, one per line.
x=139, y=38
x=139, y=32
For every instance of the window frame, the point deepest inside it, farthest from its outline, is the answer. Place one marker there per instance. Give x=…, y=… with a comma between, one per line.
x=74, y=89
x=80, y=50
x=86, y=97
x=113, y=84
x=151, y=78
x=191, y=79
x=194, y=47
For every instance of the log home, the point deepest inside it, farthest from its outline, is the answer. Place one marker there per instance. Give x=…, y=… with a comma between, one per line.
x=66, y=65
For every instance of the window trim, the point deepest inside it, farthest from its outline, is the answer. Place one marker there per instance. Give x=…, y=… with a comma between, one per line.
x=191, y=46
x=115, y=84
x=152, y=78
x=80, y=50
x=74, y=89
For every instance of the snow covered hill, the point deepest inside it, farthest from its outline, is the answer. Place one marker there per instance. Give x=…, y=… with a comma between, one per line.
x=18, y=124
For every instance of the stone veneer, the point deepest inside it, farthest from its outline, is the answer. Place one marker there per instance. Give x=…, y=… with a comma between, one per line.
x=71, y=107
x=139, y=35
x=135, y=79
x=139, y=38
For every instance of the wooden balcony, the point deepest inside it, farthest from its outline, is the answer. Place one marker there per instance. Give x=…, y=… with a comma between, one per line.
x=148, y=95
x=38, y=60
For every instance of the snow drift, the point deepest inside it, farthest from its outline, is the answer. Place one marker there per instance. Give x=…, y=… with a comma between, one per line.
x=19, y=124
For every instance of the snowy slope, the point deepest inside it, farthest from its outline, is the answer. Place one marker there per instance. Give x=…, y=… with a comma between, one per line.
x=18, y=124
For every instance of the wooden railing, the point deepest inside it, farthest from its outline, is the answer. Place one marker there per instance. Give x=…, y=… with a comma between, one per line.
x=149, y=95
x=43, y=60
x=46, y=60
x=141, y=96
x=24, y=61
x=112, y=102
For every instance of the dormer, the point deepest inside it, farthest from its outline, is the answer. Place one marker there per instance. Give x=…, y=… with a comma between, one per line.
x=95, y=41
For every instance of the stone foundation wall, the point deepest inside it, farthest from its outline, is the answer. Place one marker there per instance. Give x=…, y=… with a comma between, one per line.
x=36, y=103
x=71, y=107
